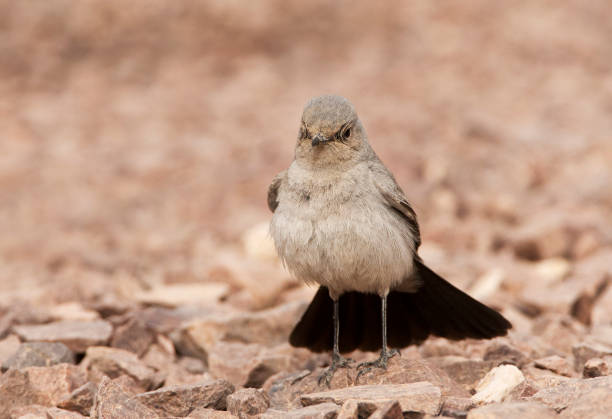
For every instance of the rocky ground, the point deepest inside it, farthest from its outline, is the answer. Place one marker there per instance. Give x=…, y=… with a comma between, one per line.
x=136, y=275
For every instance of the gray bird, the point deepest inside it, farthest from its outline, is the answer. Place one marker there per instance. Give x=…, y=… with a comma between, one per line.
x=340, y=220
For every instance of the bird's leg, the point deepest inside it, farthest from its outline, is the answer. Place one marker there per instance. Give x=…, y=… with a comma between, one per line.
x=385, y=354
x=338, y=361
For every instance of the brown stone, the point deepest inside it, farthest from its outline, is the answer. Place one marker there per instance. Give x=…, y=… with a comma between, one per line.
x=247, y=365
x=8, y=346
x=559, y=331
x=39, y=354
x=174, y=295
x=555, y=364
x=81, y=399
x=248, y=402
x=518, y=409
x=467, y=372
x=267, y=327
x=55, y=413
x=114, y=362
x=597, y=367
x=585, y=351
x=134, y=336
x=45, y=386
x=192, y=365
x=112, y=401
x=318, y=411
x=389, y=410
x=595, y=404
x=417, y=397
x=33, y=411
x=503, y=353
x=356, y=409
x=77, y=335
x=181, y=400
x=178, y=375
x=158, y=358
x=565, y=394
x=205, y=413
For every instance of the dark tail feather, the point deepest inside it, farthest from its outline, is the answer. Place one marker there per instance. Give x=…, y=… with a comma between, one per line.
x=437, y=308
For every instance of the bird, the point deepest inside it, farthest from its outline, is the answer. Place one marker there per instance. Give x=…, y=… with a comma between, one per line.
x=340, y=220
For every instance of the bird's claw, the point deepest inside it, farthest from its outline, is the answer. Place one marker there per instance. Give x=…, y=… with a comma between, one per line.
x=338, y=361
x=381, y=362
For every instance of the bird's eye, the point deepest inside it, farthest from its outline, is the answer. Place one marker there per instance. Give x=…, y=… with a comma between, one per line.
x=347, y=133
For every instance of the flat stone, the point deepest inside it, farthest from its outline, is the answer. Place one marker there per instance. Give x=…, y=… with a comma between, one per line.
x=555, y=364
x=498, y=384
x=81, y=399
x=205, y=413
x=77, y=335
x=595, y=404
x=519, y=409
x=389, y=410
x=112, y=401
x=563, y=395
x=73, y=311
x=175, y=295
x=357, y=409
x=45, y=386
x=248, y=402
x=8, y=346
x=586, y=350
x=505, y=353
x=181, y=400
x=134, y=336
x=113, y=362
x=417, y=397
x=55, y=413
x=597, y=367
x=317, y=411
x=266, y=327
x=467, y=372
x=39, y=354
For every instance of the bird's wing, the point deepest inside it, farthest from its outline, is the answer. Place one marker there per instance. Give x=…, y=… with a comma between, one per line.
x=273, y=190
x=394, y=197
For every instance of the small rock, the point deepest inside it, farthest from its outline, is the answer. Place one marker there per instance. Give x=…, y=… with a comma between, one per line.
x=55, y=413
x=597, y=367
x=8, y=346
x=81, y=399
x=498, y=384
x=158, y=358
x=178, y=375
x=562, y=332
x=555, y=364
x=247, y=365
x=356, y=409
x=457, y=406
x=73, y=311
x=33, y=411
x=519, y=409
x=248, y=402
x=133, y=336
x=586, y=350
x=467, y=372
x=595, y=404
x=112, y=401
x=181, y=400
x=192, y=365
x=266, y=327
x=389, y=410
x=505, y=353
x=563, y=395
x=205, y=413
x=175, y=295
x=39, y=354
x=417, y=397
x=317, y=411
x=45, y=386
x=113, y=362
x=488, y=284
x=553, y=270
x=77, y=335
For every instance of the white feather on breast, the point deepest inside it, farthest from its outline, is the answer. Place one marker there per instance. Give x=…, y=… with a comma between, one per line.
x=334, y=229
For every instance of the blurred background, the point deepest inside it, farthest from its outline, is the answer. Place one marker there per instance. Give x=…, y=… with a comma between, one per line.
x=138, y=140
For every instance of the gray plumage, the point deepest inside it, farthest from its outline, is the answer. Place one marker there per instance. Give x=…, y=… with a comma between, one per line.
x=341, y=220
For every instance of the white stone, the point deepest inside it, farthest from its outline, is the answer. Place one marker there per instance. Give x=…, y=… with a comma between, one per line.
x=497, y=385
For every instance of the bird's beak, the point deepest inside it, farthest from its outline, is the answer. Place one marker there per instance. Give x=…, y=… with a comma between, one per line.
x=319, y=139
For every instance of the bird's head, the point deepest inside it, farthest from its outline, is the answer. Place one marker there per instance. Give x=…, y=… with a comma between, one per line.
x=331, y=134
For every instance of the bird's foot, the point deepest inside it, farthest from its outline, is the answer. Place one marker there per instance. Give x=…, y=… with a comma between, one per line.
x=338, y=361
x=381, y=362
